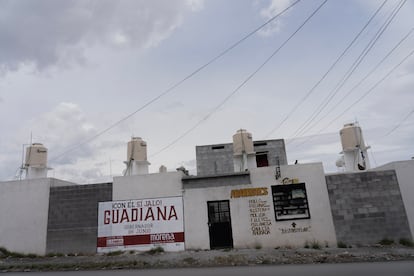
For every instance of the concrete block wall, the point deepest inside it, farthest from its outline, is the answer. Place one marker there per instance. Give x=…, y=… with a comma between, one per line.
x=73, y=217
x=367, y=207
x=218, y=159
x=214, y=159
x=275, y=148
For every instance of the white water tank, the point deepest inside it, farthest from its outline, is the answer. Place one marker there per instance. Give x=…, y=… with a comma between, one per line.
x=36, y=161
x=244, y=157
x=136, y=157
x=351, y=137
x=36, y=156
x=243, y=143
x=354, y=151
x=137, y=149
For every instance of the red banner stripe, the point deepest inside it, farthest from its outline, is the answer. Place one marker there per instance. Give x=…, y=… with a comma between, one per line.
x=141, y=239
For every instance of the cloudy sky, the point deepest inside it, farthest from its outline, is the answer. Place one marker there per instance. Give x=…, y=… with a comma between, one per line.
x=83, y=77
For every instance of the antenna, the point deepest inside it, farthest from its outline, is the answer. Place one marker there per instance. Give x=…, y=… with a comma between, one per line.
x=22, y=166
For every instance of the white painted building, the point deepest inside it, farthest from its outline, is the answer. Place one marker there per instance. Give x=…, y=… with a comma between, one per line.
x=245, y=215
x=24, y=214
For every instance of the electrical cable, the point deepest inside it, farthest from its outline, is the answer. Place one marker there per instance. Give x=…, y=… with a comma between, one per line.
x=369, y=73
x=349, y=92
x=294, y=109
x=177, y=84
x=216, y=108
x=306, y=126
x=372, y=88
x=400, y=123
x=359, y=99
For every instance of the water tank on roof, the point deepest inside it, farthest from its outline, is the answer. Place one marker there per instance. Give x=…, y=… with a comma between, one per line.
x=351, y=137
x=243, y=143
x=137, y=149
x=354, y=150
x=36, y=156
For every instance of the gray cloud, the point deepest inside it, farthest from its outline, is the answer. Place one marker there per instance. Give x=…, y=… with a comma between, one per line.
x=64, y=125
x=92, y=173
x=47, y=32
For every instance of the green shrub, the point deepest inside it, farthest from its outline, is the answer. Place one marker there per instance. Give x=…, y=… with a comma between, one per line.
x=342, y=245
x=115, y=253
x=406, y=242
x=155, y=250
x=55, y=254
x=386, y=241
x=316, y=245
x=6, y=253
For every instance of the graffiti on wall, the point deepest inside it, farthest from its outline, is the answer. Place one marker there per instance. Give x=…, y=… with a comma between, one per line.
x=295, y=229
x=259, y=217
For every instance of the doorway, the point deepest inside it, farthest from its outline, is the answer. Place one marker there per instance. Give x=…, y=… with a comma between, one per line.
x=219, y=224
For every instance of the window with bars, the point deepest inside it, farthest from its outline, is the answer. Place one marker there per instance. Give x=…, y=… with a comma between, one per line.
x=290, y=202
x=218, y=211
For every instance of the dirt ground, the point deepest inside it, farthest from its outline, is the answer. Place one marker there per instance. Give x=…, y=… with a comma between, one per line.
x=206, y=258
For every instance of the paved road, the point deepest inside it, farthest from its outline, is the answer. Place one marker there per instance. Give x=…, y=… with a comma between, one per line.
x=353, y=269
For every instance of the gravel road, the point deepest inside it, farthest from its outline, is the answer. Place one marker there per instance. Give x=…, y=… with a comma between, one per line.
x=208, y=258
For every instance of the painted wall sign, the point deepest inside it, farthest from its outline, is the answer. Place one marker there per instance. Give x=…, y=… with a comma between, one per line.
x=249, y=192
x=141, y=224
x=288, y=180
x=295, y=229
x=259, y=217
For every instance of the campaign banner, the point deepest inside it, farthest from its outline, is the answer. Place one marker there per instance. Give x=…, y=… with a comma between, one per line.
x=141, y=224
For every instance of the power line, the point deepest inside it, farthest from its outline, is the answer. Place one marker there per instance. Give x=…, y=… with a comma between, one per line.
x=294, y=109
x=170, y=89
x=369, y=73
x=242, y=84
x=400, y=123
x=360, y=98
x=365, y=77
x=306, y=126
x=372, y=88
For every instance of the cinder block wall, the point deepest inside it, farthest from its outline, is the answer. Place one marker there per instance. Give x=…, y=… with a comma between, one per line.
x=73, y=217
x=218, y=159
x=367, y=207
x=214, y=159
x=275, y=150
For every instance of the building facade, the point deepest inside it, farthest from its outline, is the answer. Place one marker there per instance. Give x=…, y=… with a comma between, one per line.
x=244, y=195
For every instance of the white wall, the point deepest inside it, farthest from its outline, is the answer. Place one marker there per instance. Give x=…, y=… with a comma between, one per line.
x=147, y=186
x=23, y=216
x=405, y=176
x=320, y=226
x=195, y=214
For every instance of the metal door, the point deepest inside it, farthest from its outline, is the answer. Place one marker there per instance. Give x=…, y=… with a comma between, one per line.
x=219, y=223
